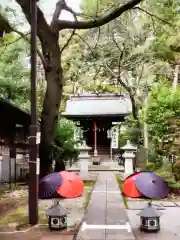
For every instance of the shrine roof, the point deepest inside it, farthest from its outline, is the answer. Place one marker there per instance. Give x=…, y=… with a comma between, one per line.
x=12, y=114
x=98, y=105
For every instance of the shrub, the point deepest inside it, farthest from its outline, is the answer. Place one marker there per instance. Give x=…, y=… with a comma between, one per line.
x=63, y=149
x=150, y=166
x=155, y=157
x=167, y=176
x=177, y=172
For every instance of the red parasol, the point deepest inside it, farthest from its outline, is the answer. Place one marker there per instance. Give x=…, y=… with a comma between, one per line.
x=72, y=186
x=129, y=186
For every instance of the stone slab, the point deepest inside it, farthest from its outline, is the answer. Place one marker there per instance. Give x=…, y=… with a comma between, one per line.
x=91, y=234
x=168, y=204
x=132, y=205
x=119, y=235
x=136, y=205
x=177, y=204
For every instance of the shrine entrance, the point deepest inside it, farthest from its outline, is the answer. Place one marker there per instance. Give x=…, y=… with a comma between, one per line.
x=95, y=115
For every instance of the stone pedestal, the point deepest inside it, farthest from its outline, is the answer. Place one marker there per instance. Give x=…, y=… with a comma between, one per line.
x=129, y=156
x=128, y=163
x=84, y=158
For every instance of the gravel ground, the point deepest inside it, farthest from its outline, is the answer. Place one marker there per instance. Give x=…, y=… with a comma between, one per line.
x=11, y=219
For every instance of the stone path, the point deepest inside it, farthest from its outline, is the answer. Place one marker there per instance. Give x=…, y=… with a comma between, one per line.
x=104, y=166
x=106, y=216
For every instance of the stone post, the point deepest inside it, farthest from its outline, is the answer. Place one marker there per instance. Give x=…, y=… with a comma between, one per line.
x=128, y=163
x=129, y=156
x=83, y=159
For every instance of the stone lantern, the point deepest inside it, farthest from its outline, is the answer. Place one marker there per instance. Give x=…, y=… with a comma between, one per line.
x=129, y=156
x=57, y=217
x=150, y=219
x=84, y=159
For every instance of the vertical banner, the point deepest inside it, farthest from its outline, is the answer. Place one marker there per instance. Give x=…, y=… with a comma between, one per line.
x=114, y=135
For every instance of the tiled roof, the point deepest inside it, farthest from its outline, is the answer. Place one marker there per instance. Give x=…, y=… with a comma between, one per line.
x=97, y=105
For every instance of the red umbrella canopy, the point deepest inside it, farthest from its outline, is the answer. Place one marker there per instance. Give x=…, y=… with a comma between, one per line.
x=72, y=186
x=129, y=186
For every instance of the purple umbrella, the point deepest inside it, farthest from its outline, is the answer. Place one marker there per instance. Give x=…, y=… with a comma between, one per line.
x=151, y=185
x=48, y=185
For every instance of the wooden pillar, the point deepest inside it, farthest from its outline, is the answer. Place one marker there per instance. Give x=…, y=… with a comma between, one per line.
x=12, y=156
x=95, y=138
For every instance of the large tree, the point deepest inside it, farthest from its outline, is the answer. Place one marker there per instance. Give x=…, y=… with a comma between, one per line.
x=49, y=37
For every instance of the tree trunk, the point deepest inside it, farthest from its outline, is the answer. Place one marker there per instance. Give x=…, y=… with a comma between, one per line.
x=176, y=76
x=135, y=111
x=50, y=112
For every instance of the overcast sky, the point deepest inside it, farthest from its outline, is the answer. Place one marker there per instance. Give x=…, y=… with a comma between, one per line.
x=48, y=7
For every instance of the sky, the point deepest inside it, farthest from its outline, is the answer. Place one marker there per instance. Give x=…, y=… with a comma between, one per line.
x=48, y=7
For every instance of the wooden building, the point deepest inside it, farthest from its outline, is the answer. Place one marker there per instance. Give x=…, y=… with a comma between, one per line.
x=95, y=113
x=14, y=129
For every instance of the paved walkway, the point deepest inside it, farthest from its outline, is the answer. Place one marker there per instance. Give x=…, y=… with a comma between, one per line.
x=104, y=166
x=106, y=216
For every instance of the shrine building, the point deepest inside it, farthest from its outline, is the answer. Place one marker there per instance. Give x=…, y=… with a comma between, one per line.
x=95, y=114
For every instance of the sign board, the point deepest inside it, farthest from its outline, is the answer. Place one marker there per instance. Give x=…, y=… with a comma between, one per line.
x=37, y=166
x=114, y=137
x=38, y=138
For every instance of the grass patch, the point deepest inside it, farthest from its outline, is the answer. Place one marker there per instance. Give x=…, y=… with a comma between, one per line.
x=89, y=185
x=120, y=183
x=174, y=185
x=18, y=219
x=7, y=189
x=87, y=198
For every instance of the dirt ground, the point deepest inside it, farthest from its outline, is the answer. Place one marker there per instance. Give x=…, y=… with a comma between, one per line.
x=38, y=234
x=8, y=205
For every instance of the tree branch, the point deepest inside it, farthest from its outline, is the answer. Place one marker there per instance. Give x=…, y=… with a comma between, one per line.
x=114, y=40
x=68, y=41
x=25, y=37
x=105, y=18
x=14, y=41
x=42, y=28
x=60, y=6
x=22, y=35
x=84, y=41
x=154, y=16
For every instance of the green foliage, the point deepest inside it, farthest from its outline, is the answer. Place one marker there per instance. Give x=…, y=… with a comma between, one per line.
x=166, y=175
x=163, y=118
x=174, y=185
x=177, y=172
x=156, y=157
x=64, y=142
x=93, y=8
x=130, y=130
x=14, y=76
x=150, y=166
